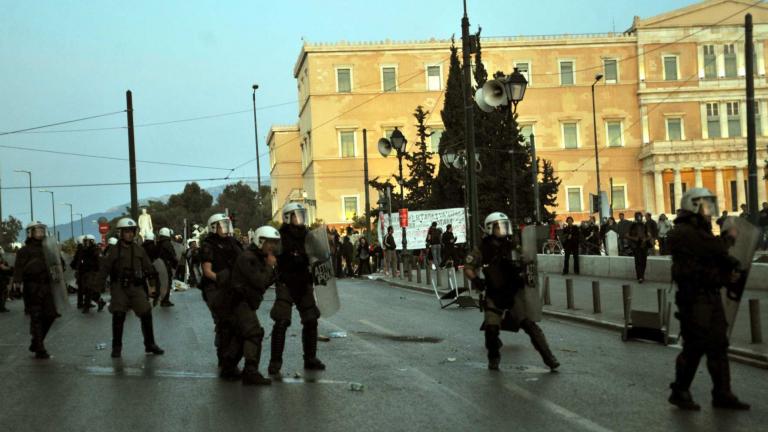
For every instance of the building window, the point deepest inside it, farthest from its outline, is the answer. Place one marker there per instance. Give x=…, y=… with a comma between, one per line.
x=525, y=132
x=734, y=119
x=434, y=139
x=713, y=120
x=347, y=143
x=619, y=197
x=570, y=135
x=389, y=79
x=574, y=199
x=349, y=207
x=710, y=62
x=434, y=78
x=613, y=134
x=674, y=129
x=670, y=68
x=758, y=126
x=566, y=72
x=525, y=70
x=343, y=80
x=611, y=70
x=729, y=57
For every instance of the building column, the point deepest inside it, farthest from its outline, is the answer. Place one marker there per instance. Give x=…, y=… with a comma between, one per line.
x=698, y=182
x=741, y=195
x=647, y=191
x=720, y=188
x=658, y=188
x=678, y=188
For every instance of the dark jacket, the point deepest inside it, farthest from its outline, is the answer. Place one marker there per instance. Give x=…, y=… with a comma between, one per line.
x=86, y=260
x=434, y=236
x=251, y=276
x=638, y=235
x=152, y=250
x=293, y=262
x=571, y=238
x=221, y=252
x=389, y=242
x=700, y=260
x=168, y=254
x=30, y=266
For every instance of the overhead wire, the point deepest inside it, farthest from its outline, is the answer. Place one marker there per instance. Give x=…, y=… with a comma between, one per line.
x=61, y=123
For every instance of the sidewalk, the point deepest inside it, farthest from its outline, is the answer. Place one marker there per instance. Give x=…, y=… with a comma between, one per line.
x=644, y=297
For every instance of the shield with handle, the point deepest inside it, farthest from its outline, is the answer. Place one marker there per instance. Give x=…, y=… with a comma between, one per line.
x=321, y=266
x=743, y=248
x=528, y=300
x=53, y=261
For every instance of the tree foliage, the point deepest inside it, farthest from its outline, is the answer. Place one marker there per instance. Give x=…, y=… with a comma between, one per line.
x=9, y=232
x=420, y=166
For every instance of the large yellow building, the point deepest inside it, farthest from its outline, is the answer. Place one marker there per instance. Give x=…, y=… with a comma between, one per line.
x=670, y=110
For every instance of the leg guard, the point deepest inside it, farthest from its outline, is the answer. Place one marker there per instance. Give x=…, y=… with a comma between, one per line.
x=118, y=322
x=685, y=369
x=309, y=343
x=539, y=342
x=36, y=331
x=147, y=330
x=277, y=346
x=493, y=344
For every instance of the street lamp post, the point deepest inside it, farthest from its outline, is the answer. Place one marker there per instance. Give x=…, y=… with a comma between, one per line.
x=31, y=206
x=53, y=211
x=256, y=138
x=82, y=231
x=598, y=77
x=398, y=142
x=71, y=220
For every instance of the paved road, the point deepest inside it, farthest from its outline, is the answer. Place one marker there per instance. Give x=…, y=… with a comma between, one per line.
x=423, y=369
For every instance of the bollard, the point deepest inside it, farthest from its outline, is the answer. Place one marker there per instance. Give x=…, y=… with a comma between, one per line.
x=545, y=294
x=626, y=293
x=754, y=321
x=401, y=268
x=439, y=277
x=428, y=269
x=569, y=293
x=660, y=299
x=418, y=272
x=408, y=274
x=596, y=297
x=467, y=285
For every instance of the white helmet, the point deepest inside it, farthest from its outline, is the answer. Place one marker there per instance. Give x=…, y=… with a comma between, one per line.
x=112, y=241
x=699, y=200
x=89, y=237
x=296, y=209
x=34, y=224
x=265, y=233
x=164, y=232
x=126, y=223
x=500, y=219
x=190, y=241
x=149, y=236
x=79, y=239
x=222, y=220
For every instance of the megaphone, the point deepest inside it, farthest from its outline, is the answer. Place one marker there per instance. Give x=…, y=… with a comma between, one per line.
x=480, y=101
x=385, y=147
x=494, y=93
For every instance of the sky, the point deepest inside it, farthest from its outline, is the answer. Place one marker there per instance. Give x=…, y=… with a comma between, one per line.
x=63, y=60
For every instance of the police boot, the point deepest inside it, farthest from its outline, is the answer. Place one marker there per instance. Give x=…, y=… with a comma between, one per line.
x=309, y=343
x=118, y=322
x=539, y=342
x=150, y=347
x=277, y=346
x=722, y=397
x=2, y=301
x=229, y=370
x=493, y=344
x=251, y=374
x=682, y=399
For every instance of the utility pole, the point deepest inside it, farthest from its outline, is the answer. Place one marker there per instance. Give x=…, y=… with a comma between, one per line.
x=469, y=130
x=749, y=50
x=535, y=175
x=598, y=77
x=256, y=138
x=131, y=157
x=365, y=187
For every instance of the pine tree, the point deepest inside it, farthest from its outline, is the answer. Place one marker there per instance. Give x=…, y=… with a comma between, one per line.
x=420, y=166
x=548, y=187
x=447, y=187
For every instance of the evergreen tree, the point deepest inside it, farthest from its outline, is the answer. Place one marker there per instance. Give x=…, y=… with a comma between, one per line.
x=548, y=187
x=420, y=166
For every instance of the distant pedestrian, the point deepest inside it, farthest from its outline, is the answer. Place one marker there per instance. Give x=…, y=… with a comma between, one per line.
x=449, y=247
x=434, y=235
x=622, y=230
x=363, y=257
x=390, y=253
x=653, y=231
x=744, y=211
x=348, y=251
x=378, y=257
x=721, y=219
x=609, y=224
x=639, y=241
x=664, y=227
x=571, y=243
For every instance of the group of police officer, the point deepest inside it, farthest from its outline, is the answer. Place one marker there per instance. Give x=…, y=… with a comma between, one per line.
x=234, y=281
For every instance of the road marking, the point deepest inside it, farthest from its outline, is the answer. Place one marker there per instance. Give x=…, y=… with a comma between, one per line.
x=554, y=408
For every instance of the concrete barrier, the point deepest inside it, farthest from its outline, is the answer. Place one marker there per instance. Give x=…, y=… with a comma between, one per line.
x=659, y=268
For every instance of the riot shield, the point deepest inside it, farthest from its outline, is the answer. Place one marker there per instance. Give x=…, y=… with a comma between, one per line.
x=528, y=300
x=56, y=270
x=161, y=283
x=747, y=237
x=321, y=266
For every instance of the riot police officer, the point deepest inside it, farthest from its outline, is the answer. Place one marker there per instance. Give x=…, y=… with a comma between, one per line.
x=168, y=255
x=504, y=278
x=218, y=253
x=86, y=263
x=32, y=269
x=78, y=277
x=294, y=288
x=129, y=271
x=252, y=274
x=700, y=267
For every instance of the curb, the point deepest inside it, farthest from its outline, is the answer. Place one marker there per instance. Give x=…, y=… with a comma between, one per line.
x=739, y=355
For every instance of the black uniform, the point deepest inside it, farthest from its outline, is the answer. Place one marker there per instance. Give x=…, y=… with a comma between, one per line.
x=700, y=267
x=294, y=288
x=639, y=240
x=78, y=277
x=129, y=268
x=86, y=263
x=503, y=279
x=32, y=270
x=221, y=252
x=249, y=280
x=192, y=256
x=6, y=274
x=571, y=243
x=168, y=255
